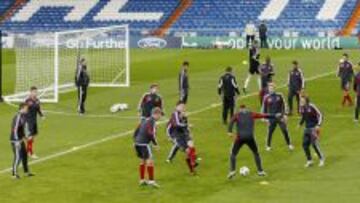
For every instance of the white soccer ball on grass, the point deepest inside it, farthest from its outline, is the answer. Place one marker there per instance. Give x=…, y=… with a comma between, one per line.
x=119, y=107
x=244, y=171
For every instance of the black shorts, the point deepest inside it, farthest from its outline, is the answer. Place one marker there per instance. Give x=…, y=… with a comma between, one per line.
x=254, y=68
x=32, y=128
x=345, y=84
x=181, y=140
x=143, y=151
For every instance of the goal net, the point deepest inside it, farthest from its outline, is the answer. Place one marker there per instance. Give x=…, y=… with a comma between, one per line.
x=50, y=61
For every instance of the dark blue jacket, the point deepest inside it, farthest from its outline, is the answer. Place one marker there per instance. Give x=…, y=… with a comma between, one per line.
x=311, y=116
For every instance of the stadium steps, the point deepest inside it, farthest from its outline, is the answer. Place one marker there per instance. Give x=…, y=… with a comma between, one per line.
x=184, y=4
x=329, y=9
x=273, y=9
x=10, y=12
x=352, y=22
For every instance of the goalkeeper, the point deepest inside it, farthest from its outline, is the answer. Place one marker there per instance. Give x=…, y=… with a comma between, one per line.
x=82, y=81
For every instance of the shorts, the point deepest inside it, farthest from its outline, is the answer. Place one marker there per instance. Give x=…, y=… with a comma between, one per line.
x=345, y=84
x=254, y=68
x=32, y=128
x=143, y=151
x=181, y=140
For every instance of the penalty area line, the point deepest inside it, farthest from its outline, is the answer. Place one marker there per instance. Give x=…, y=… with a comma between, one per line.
x=126, y=133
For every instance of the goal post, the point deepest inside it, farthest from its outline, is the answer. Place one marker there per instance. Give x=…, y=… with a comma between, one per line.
x=1, y=80
x=50, y=61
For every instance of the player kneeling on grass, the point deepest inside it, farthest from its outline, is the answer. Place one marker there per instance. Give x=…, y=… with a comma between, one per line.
x=178, y=130
x=144, y=135
x=312, y=117
x=34, y=107
x=17, y=139
x=245, y=123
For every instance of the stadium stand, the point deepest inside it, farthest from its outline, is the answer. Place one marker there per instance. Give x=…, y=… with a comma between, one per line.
x=205, y=17
x=5, y=4
x=307, y=17
x=352, y=26
x=49, y=15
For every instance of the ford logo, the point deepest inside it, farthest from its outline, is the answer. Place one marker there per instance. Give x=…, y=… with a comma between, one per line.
x=152, y=42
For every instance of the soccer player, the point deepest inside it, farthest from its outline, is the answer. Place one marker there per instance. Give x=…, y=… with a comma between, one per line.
x=254, y=58
x=250, y=30
x=149, y=101
x=266, y=74
x=34, y=107
x=274, y=103
x=312, y=117
x=144, y=135
x=17, y=138
x=357, y=90
x=184, y=82
x=228, y=89
x=178, y=130
x=244, y=121
x=345, y=73
x=296, y=84
x=82, y=80
x=263, y=30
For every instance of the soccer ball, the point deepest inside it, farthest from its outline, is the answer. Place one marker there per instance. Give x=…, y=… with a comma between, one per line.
x=244, y=171
x=118, y=107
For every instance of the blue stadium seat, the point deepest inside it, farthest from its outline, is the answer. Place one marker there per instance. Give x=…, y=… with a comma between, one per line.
x=5, y=5
x=207, y=17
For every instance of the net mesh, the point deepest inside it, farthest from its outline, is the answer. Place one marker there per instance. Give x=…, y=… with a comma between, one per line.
x=50, y=61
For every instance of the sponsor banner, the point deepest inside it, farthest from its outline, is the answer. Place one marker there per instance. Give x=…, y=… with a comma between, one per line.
x=152, y=42
x=104, y=43
x=274, y=42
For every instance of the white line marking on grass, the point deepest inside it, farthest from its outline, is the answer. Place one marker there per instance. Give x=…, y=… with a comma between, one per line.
x=297, y=117
x=91, y=115
x=123, y=134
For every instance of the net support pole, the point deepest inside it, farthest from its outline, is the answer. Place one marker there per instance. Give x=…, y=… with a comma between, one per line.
x=1, y=78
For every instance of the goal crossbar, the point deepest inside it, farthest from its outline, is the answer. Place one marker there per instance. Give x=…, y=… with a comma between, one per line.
x=108, y=66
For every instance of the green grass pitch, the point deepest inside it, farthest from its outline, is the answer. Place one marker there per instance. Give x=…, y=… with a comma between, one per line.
x=91, y=158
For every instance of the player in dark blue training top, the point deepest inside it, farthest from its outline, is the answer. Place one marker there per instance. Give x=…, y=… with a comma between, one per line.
x=312, y=118
x=228, y=90
x=296, y=84
x=346, y=74
x=34, y=106
x=144, y=136
x=357, y=91
x=267, y=72
x=274, y=103
x=184, y=82
x=179, y=132
x=149, y=101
